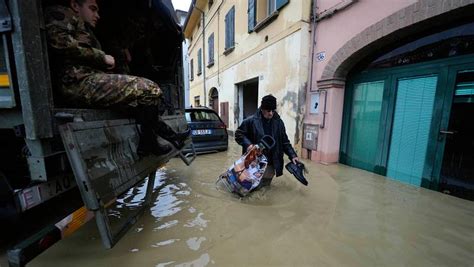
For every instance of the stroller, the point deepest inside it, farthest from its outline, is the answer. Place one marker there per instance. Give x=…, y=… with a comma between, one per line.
x=247, y=172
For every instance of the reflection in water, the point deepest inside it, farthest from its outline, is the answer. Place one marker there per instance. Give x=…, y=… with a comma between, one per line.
x=343, y=217
x=166, y=225
x=164, y=243
x=194, y=243
x=198, y=222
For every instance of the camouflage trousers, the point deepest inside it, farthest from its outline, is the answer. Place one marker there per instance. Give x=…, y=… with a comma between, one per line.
x=105, y=90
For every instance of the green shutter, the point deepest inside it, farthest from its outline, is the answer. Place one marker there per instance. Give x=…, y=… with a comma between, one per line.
x=365, y=124
x=411, y=127
x=281, y=3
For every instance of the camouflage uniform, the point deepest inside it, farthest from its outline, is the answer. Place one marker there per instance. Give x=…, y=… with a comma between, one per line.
x=79, y=64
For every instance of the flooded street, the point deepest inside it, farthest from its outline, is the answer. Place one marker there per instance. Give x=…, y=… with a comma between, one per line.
x=344, y=216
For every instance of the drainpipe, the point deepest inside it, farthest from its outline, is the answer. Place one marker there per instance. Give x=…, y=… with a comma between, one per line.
x=314, y=20
x=313, y=41
x=203, y=52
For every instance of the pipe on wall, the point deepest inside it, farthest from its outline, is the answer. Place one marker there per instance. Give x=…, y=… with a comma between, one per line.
x=203, y=52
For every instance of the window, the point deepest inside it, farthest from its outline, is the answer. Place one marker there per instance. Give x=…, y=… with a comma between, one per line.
x=262, y=12
x=197, y=101
x=199, y=70
x=191, y=67
x=210, y=51
x=202, y=115
x=229, y=30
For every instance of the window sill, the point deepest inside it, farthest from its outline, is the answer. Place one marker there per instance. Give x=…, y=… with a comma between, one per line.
x=265, y=22
x=229, y=50
x=210, y=64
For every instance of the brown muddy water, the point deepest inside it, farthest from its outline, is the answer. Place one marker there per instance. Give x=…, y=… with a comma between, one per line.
x=344, y=217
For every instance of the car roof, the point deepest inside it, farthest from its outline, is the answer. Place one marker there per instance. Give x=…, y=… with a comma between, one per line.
x=200, y=108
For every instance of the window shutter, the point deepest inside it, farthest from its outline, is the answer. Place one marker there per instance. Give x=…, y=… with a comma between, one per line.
x=227, y=30
x=192, y=69
x=281, y=3
x=251, y=15
x=232, y=27
x=199, y=70
x=210, y=42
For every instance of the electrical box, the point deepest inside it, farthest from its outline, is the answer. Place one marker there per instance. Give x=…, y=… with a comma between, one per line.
x=310, y=136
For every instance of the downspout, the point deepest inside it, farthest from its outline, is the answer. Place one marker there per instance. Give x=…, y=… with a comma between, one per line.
x=203, y=52
x=218, y=47
x=313, y=41
x=325, y=105
x=314, y=20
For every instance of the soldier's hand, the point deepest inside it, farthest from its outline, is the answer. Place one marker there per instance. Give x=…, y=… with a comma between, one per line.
x=110, y=61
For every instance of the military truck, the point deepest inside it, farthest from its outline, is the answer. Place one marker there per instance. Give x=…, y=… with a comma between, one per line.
x=61, y=164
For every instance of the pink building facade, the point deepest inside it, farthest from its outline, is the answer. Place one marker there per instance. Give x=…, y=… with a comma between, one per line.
x=360, y=46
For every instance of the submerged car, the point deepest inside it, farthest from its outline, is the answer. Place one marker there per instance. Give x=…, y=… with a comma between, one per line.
x=209, y=133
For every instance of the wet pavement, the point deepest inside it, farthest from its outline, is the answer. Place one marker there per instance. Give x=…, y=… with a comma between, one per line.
x=345, y=216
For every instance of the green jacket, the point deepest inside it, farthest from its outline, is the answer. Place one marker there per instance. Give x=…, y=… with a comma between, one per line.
x=75, y=51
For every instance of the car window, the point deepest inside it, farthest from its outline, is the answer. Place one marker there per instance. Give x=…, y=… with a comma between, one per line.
x=201, y=115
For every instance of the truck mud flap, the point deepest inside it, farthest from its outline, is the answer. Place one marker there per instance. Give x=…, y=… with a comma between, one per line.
x=103, y=157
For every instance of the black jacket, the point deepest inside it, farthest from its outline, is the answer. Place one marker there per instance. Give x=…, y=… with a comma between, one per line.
x=251, y=131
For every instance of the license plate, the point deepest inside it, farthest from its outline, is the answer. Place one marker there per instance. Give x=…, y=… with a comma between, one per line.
x=202, y=132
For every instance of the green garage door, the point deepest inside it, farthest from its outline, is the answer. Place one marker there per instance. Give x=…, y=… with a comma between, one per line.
x=411, y=127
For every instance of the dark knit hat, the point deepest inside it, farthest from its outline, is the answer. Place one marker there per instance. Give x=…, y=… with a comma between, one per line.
x=269, y=102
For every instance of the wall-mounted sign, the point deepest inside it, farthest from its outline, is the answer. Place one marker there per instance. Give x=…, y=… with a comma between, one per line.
x=314, y=105
x=320, y=56
x=310, y=136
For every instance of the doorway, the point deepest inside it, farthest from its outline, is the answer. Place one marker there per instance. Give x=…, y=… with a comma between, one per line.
x=457, y=167
x=248, y=98
x=214, y=99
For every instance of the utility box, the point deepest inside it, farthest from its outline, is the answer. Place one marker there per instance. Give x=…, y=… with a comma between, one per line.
x=310, y=136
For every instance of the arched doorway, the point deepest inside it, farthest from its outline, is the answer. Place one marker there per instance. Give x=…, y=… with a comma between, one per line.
x=407, y=111
x=214, y=99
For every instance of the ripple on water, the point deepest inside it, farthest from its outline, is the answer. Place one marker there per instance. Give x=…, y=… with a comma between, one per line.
x=197, y=222
x=165, y=243
x=194, y=243
x=282, y=191
x=166, y=225
x=203, y=260
x=167, y=202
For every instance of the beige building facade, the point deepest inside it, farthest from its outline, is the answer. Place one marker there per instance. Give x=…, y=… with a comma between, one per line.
x=241, y=51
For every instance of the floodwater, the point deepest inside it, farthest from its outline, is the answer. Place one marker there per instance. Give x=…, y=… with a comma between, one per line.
x=344, y=217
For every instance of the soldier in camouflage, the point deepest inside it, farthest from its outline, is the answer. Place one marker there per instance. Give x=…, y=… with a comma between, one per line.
x=80, y=68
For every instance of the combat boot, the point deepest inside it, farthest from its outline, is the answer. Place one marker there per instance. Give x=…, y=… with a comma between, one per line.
x=165, y=131
x=149, y=144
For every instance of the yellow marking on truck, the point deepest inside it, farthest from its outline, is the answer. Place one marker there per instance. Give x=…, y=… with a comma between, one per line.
x=4, y=80
x=74, y=221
